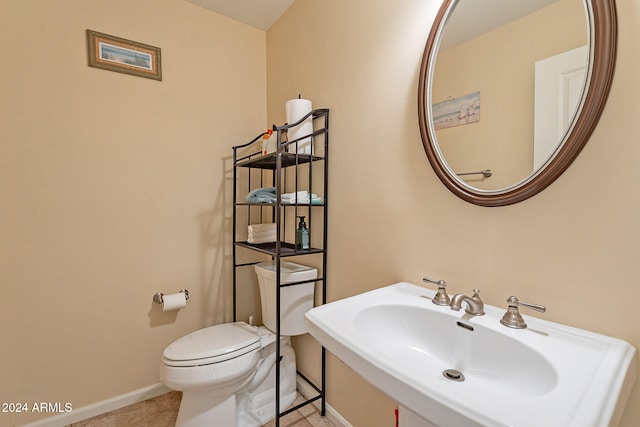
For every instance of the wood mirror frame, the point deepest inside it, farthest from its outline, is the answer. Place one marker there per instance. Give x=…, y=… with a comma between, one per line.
x=603, y=41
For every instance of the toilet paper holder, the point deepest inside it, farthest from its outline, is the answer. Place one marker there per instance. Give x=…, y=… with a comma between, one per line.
x=157, y=297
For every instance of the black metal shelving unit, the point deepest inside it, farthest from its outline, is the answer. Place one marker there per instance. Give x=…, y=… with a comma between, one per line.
x=286, y=169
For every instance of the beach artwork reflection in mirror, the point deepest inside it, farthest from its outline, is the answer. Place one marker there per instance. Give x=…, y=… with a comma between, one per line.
x=456, y=111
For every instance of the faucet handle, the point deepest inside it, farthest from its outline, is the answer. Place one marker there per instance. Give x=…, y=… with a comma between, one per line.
x=441, y=297
x=512, y=317
x=536, y=307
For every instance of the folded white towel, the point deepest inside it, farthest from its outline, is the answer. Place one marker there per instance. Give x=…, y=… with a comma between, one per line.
x=263, y=233
x=295, y=195
x=304, y=200
x=259, y=228
x=299, y=193
x=265, y=239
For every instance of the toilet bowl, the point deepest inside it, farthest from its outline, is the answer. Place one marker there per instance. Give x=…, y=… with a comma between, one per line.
x=227, y=372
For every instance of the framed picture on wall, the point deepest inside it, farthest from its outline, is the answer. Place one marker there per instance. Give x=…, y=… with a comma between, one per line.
x=456, y=111
x=123, y=56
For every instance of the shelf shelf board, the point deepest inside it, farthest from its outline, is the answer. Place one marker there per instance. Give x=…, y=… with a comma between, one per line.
x=269, y=161
x=273, y=205
x=286, y=249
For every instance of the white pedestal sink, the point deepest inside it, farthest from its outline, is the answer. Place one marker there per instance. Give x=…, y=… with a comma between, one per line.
x=448, y=368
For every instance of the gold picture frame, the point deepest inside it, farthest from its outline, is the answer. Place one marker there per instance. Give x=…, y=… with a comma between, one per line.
x=123, y=56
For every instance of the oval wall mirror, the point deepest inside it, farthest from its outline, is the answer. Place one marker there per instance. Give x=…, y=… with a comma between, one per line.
x=510, y=91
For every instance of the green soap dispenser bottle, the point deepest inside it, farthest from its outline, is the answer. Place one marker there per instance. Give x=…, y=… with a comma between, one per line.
x=302, y=235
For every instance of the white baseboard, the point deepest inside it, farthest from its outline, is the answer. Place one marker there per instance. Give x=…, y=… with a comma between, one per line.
x=117, y=402
x=307, y=391
x=102, y=407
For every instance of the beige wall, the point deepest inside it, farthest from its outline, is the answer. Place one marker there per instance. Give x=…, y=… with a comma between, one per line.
x=574, y=247
x=112, y=188
x=503, y=138
x=95, y=218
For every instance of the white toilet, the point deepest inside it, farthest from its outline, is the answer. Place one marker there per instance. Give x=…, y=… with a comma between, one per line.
x=227, y=372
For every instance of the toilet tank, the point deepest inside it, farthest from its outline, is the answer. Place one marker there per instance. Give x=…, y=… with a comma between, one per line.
x=295, y=300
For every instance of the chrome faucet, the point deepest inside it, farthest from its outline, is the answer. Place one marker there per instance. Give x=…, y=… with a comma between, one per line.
x=475, y=306
x=441, y=297
x=512, y=317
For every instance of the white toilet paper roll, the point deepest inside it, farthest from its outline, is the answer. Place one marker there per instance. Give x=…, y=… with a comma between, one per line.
x=295, y=110
x=174, y=301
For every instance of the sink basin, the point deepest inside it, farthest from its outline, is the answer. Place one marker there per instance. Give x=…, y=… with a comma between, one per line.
x=450, y=368
x=431, y=341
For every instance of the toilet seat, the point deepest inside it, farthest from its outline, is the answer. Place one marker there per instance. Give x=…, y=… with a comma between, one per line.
x=210, y=345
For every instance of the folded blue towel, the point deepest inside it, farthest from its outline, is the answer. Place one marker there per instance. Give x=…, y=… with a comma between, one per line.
x=262, y=195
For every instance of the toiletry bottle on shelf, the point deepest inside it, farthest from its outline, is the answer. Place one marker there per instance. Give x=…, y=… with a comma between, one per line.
x=302, y=235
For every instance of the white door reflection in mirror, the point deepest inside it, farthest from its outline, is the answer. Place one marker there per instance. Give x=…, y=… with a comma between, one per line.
x=559, y=84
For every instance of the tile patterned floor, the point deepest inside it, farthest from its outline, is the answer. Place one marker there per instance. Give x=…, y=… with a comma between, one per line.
x=162, y=411
x=307, y=416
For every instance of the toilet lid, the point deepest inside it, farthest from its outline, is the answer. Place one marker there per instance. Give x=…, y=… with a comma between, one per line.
x=213, y=344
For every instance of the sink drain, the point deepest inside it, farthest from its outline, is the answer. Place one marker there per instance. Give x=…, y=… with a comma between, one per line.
x=453, y=375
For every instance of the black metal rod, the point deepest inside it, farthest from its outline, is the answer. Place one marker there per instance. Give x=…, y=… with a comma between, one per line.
x=233, y=232
x=278, y=213
x=308, y=381
x=323, y=404
x=301, y=405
